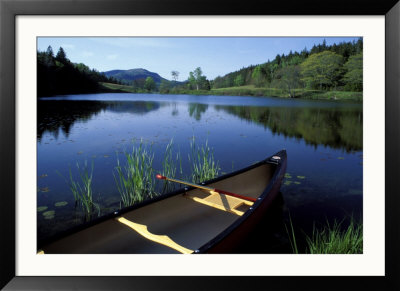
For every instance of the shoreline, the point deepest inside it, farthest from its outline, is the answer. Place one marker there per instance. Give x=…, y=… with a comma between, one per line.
x=254, y=92
x=244, y=91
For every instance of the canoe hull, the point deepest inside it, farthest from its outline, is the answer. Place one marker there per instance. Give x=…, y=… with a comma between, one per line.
x=237, y=233
x=189, y=217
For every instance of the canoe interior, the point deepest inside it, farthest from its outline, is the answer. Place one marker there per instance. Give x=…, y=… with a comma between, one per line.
x=184, y=220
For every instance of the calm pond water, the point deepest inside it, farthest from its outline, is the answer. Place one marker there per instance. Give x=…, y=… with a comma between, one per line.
x=323, y=140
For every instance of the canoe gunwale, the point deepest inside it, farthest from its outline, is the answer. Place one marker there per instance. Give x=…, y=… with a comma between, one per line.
x=218, y=238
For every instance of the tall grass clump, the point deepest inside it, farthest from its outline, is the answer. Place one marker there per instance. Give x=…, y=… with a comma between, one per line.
x=202, y=162
x=333, y=240
x=170, y=166
x=135, y=181
x=82, y=188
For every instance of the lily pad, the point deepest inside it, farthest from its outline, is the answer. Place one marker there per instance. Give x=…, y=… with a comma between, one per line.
x=301, y=177
x=297, y=183
x=44, y=189
x=43, y=175
x=49, y=214
x=287, y=175
x=288, y=182
x=61, y=203
x=80, y=152
x=340, y=158
x=41, y=208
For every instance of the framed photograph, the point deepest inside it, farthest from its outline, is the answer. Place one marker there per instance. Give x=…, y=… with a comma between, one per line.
x=259, y=141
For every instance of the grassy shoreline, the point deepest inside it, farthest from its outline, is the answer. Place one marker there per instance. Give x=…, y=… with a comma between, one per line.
x=299, y=93
x=250, y=90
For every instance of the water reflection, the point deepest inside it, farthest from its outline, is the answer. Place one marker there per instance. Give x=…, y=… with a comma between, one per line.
x=196, y=110
x=60, y=115
x=334, y=127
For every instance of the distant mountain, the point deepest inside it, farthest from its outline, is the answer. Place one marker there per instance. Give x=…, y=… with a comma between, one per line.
x=127, y=76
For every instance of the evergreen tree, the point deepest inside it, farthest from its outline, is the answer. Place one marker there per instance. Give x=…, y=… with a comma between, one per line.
x=49, y=51
x=61, y=56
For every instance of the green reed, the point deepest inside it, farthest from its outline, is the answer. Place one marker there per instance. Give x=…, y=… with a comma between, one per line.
x=82, y=188
x=170, y=166
x=135, y=181
x=292, y=236
x=202, y=162
x=331, y=238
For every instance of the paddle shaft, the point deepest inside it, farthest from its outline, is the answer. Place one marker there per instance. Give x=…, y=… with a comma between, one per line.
x=207, y=188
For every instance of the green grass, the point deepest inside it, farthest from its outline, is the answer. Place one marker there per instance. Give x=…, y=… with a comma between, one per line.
x=82, y=188
x=292, y=236
x=202, y=162
x=331, y=238
x=251, y=90
x=117, y=87
x=135, y=181
x=170, y=166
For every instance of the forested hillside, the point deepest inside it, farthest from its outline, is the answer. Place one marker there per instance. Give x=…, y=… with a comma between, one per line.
x=335, y=67
x=58, y=75
x=127, y=77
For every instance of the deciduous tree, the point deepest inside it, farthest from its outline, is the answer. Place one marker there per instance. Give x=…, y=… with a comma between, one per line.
x=257, y=76
x=290, y=79
x=196, y=79
x=149, y=84
x=175, y=75
x=353, y=77
x=239, y=80
x=322, y=70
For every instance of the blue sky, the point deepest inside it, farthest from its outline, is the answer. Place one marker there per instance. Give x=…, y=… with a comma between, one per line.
x=216, y=56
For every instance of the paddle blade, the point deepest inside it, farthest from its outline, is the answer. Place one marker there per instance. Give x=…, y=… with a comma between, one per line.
x=158, y=176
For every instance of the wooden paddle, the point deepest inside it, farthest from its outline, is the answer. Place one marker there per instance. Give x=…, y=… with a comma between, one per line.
x=158, y=176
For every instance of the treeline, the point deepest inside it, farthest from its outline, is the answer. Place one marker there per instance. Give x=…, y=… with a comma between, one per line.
x=195, y=82
x=337, y=67
x=56, y=75
x=334, y=67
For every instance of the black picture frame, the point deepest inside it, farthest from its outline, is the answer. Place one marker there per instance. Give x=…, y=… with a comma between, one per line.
x=9, y=9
